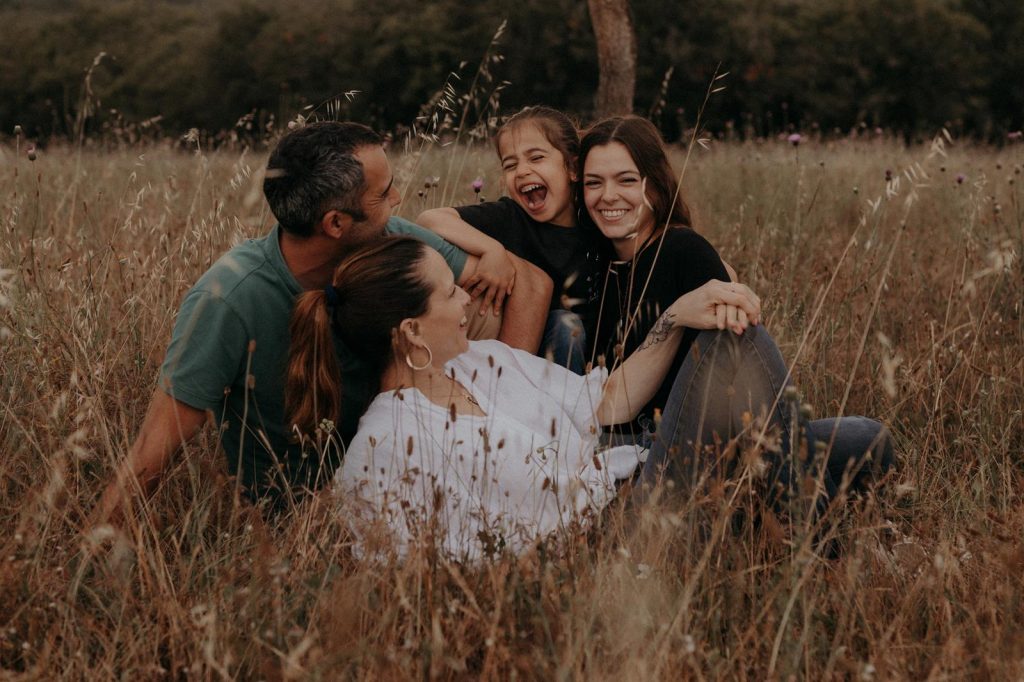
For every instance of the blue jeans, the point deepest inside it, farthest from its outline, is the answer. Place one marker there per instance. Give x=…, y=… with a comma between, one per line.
x=564, y=340
x=725, y=380
x=847, y=461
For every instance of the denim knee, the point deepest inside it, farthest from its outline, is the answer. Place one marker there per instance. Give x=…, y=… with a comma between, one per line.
x=859, y=445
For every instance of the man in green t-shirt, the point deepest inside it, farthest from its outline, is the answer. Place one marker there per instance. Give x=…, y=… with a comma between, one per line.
x=331, y=189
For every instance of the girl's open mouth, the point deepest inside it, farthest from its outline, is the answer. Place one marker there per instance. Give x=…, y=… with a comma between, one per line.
x=534, y=194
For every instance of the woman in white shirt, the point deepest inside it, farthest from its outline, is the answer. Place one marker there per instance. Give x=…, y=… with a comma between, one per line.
x=476, y=445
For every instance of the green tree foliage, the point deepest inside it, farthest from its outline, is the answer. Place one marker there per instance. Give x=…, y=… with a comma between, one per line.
x=904, y=65
x=148, y=71
x=1004, y=68
x=924, y=62
x=911, y=66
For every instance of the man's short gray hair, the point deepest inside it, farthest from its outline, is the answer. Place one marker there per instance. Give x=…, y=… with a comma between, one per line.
x=314, y=170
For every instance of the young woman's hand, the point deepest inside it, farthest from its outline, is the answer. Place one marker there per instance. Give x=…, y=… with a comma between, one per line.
x=731, y=317
x=717, y=305
x=494, y=278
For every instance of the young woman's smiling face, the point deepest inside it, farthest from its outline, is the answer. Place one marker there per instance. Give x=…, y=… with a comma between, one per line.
x=537, y=175
x=613, y=192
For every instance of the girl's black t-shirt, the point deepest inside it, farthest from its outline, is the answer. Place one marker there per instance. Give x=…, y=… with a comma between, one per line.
x=573, y=257
x=633, y=294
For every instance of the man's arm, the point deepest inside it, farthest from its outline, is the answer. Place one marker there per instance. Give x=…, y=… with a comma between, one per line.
x=521, y=323
x=169, y=423
x=526, y=308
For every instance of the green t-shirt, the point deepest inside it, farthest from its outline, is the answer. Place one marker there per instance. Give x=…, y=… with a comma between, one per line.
x=453, y=255
x=229, y=351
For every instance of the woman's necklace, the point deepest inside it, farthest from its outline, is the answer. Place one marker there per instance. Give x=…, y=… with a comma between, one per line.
x=457, y=390
x=466, y=395
x=629, y=312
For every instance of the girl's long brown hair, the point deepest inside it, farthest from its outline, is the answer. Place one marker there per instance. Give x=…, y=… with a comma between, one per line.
x=375, y=288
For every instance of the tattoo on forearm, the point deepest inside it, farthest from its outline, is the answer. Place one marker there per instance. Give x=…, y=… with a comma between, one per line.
x=659, y=332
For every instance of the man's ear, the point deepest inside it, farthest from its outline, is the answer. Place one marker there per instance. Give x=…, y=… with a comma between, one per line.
x=335, y=223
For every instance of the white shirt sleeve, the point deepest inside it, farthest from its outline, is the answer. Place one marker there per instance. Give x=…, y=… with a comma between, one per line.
x=579, y=395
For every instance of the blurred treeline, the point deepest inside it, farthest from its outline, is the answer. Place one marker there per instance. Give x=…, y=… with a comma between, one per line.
x=905, y=65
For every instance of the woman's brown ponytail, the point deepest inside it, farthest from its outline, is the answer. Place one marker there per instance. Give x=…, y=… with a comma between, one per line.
x=374, y=289
x=313, y=381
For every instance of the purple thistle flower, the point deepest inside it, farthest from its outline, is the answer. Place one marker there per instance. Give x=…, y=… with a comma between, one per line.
x=477, y=185
x=960, y=177
x=1015, y=135
x=794, y=139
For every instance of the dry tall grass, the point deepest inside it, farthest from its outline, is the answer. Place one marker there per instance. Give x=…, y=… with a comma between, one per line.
x=899, y=298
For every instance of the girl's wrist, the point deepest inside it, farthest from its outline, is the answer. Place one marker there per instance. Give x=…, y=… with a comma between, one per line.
x=494, y=248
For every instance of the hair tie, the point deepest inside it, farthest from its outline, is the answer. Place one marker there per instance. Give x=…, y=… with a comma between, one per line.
x=332, y=295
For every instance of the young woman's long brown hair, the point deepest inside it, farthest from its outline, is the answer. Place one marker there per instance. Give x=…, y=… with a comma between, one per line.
x=374, y=289
x=644, y=144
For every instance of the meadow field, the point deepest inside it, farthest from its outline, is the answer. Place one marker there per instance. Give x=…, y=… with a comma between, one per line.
x=891, y=278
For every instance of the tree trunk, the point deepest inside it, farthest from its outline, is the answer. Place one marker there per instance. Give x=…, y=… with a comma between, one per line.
x=616, y=56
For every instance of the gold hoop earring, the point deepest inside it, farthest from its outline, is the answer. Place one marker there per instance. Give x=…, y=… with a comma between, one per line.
x=428, y=363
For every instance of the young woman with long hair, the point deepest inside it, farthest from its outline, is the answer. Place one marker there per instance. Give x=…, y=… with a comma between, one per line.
x=632, y=196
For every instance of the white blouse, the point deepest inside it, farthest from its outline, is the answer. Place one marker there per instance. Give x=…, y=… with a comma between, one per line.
x=479, y=484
